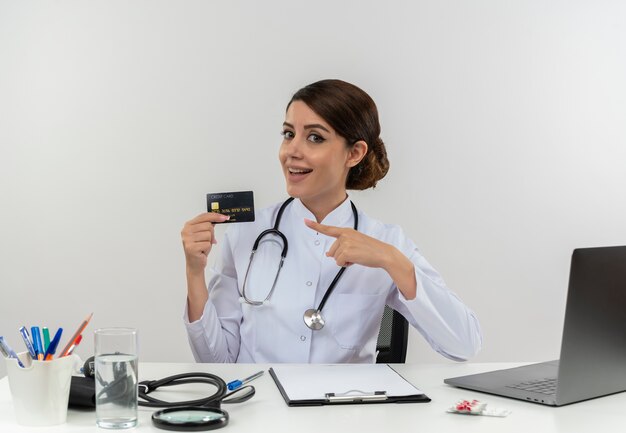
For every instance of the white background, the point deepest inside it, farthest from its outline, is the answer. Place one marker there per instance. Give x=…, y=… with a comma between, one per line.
x=504, y=121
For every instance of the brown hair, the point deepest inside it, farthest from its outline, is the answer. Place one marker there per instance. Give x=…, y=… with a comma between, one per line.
x=353, y=115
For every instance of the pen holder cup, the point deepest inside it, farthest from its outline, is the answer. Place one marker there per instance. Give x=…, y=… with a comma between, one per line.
x=40, y=390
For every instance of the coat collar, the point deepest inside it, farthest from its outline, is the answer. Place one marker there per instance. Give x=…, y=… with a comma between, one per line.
x=341, y=216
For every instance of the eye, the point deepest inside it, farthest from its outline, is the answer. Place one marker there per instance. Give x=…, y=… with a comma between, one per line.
x=287, y=134
x=315, y=138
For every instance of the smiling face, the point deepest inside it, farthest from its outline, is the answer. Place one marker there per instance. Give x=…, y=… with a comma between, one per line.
x=315, y=160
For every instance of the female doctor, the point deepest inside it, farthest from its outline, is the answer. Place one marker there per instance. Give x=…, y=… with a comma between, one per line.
x=254, y=311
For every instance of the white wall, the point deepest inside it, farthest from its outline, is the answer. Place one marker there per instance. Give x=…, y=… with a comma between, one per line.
x=504, y=122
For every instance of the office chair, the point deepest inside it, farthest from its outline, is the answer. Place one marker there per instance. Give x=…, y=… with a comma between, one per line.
x=392, y=338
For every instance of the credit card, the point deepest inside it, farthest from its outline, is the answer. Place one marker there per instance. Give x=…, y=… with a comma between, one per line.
x=238, y=205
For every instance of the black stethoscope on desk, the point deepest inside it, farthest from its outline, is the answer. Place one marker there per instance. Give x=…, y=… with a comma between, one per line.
x=313, y=316
x=192, y=415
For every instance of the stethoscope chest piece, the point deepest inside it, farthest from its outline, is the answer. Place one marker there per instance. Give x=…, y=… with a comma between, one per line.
x=313, y=319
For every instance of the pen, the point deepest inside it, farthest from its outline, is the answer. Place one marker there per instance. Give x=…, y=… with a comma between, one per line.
x=34, y=331
x=4, y=349
x=8, y=352
x=73, y=346
x=79, y=331
x=237, y=383
x=46, y=338
x=27, y=342
x=53, y=345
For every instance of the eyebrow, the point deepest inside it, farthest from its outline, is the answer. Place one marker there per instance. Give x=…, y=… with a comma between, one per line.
x=310, y=126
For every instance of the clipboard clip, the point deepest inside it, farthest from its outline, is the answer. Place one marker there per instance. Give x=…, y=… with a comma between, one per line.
x=355, y=396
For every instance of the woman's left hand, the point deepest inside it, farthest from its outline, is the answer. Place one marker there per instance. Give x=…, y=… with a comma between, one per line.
x=351, y=246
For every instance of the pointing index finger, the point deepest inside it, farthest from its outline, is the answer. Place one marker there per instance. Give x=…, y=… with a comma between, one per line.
x=323, y=229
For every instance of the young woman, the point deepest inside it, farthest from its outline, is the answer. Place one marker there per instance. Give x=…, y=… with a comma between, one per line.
x=256, y=311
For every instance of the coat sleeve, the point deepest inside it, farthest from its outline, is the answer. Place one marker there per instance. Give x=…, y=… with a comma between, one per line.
x=447, y=324
x=215, y=336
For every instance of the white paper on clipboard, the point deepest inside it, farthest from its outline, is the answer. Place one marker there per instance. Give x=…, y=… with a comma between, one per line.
x=314, y=381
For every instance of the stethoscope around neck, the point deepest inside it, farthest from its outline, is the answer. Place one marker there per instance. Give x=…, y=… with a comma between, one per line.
x=313, y=316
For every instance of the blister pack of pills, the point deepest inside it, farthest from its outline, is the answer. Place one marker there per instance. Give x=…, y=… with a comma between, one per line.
x=476, y=407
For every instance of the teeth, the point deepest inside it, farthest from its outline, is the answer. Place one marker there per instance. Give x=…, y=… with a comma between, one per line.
x=298, y=171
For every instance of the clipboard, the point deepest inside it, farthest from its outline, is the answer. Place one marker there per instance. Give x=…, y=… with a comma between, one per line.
x=332, y=384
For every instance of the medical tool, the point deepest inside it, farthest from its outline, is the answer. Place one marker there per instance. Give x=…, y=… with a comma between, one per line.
x=192, y=415
x=312, y=317
x=202, y=414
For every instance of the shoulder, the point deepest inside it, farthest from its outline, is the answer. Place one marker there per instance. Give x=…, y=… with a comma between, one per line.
x=389, y=233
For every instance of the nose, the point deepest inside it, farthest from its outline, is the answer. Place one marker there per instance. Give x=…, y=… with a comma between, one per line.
x=292, y=148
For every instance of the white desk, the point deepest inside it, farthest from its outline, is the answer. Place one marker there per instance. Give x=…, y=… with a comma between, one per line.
x=267, y=411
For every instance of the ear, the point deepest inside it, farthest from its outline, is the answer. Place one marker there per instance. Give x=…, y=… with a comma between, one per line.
x=356, y=153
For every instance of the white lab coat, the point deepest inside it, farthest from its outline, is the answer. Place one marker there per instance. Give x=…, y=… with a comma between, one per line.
x=231, y=331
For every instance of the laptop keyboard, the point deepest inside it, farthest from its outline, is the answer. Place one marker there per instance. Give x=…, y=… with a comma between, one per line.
x=543, y=386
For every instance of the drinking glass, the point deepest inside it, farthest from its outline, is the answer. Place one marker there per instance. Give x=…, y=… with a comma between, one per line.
x=116, y=377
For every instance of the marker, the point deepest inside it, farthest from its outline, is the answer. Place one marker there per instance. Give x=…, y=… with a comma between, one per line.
x=27, y=342
x=34, y=331
x=8, y=352
x=237, y=383
x=79, y=331
x=53, y=345
x=73, y=346
x=46, y=338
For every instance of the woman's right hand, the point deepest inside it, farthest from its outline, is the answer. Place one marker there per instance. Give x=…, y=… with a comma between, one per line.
x=198, y=238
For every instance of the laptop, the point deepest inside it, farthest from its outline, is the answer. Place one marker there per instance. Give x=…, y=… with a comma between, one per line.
x=593, y=347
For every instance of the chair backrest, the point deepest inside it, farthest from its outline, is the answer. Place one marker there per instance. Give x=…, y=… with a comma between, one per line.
x=392, y=338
